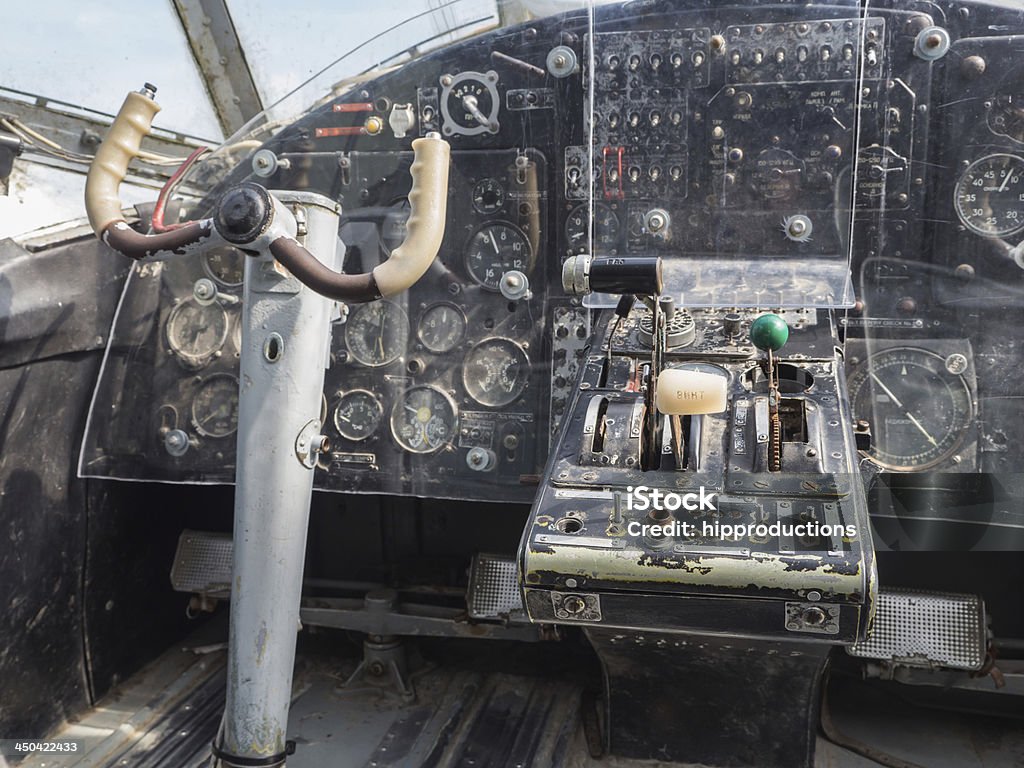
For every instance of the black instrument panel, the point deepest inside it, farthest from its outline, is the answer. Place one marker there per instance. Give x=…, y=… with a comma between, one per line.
x=737, y=120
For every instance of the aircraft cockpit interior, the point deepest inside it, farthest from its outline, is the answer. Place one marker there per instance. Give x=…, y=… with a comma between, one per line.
x=539, y=383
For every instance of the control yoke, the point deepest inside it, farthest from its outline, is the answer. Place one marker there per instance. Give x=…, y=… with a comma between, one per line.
x=251, y=218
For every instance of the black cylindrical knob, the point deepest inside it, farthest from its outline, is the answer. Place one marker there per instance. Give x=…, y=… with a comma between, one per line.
x=639, y=275
x=731, y=324
x=243, y=213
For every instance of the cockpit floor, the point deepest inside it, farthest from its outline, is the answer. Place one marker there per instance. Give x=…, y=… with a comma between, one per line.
x=478, y=703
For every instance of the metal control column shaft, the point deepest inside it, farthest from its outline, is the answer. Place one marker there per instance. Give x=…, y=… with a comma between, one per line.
x=285, y=345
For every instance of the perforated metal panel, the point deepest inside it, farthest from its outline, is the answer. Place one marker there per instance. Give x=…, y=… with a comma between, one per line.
x=202, y=563
x=927, y=629
x=493, y=588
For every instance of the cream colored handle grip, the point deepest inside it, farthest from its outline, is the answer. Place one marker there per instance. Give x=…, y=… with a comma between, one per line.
x=428, y=207
x=110, y=166
x=688, y=393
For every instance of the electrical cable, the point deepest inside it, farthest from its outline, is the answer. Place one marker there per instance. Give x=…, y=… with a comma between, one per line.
x=157, y=221
x=837, y=737
x=44, y=144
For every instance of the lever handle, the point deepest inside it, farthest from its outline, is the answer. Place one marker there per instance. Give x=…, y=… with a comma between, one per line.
x=428, y=207
x=109, y=168
x=689, y=393
x=110, y=165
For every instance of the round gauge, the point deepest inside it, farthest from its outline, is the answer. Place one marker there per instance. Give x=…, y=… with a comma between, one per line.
x=376, y=334
x=226, y=265
x=990, y=196
x=195, y=333
x=495, y=249
x=606, y=228
x=215, y=406
x=423, y=419
x=470, y=103
x=488, y=196
x=358, y=414
x=441, y=327
x=495, y=372
x=919, y=412
x=1006, y=117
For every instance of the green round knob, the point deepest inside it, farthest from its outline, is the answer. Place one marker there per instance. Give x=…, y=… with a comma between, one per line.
x=769, y=332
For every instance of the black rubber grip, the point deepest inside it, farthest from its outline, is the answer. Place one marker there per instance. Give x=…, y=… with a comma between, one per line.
x=310, y=272
x=139, y=246
x=639, y=275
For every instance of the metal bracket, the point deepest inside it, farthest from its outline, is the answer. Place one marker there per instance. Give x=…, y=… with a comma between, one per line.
x=309, y=443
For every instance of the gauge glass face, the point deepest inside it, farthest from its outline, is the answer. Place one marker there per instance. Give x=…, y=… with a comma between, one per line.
x=990, y=196
x=919, y=412
x=495, y=372
x=358, y=415
x=423, y=420
x=215, y=406
x=606, y=228
x=495, y=249
x=376, y=334
x=225, y=265
x=1006, y=118
x=441, y=327
x=488, y=196
x=196, y=332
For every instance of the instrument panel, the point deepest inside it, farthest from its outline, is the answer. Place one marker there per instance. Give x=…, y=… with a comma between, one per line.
x=718, y=134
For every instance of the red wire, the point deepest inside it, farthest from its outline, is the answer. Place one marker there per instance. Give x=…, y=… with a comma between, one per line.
x=161, y=202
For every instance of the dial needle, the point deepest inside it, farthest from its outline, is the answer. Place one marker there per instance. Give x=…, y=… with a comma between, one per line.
x=1002, y=187
x=923, y=430
x=910, y=416
x=887, y=391
x=494, y=242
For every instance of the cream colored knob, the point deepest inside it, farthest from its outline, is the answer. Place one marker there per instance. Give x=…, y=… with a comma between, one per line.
x=688, y=393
